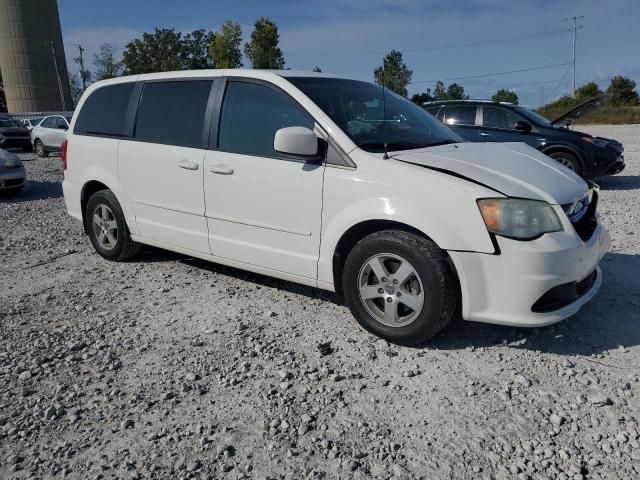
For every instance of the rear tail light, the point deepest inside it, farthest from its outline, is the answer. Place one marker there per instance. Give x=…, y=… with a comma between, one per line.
x=63, y=154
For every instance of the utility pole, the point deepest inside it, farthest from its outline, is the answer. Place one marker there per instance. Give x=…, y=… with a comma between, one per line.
x=574, y=29
x=82, y=72
x=55, y=63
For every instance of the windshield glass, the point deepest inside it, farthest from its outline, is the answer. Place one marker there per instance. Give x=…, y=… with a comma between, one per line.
x=8, y=122
x=534, y=116
x=357, y=108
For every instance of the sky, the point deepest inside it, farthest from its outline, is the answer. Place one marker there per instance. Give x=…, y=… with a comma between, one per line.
x=439, y=39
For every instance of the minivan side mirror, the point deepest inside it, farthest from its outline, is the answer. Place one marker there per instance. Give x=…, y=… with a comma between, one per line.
x=523, y=126
x=298, y=141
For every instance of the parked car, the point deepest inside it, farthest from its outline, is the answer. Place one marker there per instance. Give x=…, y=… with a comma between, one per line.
x=48, y=135
x=12, y=173
x=31, y=122
x=13, y=134
x=334, y=184
x=485, y=121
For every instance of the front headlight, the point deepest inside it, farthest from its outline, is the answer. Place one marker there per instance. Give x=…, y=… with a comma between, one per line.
x=517, y=218
x=9, y=160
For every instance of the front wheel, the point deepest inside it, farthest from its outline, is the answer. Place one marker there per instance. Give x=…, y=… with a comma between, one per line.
x=400, y=287
x=107, y=228
x=568, y=160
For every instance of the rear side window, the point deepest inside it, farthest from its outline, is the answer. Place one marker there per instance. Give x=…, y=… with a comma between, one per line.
x=49, y=122
x=251, y=116
x=173, y=113
x=460, y=115
x=104, y=112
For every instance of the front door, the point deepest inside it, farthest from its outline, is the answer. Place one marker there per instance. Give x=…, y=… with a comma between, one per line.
x=262, y=208
x=498, y=125
x=161, y=168
x=59, y=133
x=46, y=130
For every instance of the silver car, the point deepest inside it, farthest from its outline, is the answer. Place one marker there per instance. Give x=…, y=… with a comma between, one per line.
x=12, y=173
x=48, y=135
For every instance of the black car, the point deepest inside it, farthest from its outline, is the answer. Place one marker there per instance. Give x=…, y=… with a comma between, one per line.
x=14, y=134
x=485, y=121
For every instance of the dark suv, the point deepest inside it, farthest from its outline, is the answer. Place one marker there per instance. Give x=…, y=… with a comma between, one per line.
x=485, y=121
x=13, y=134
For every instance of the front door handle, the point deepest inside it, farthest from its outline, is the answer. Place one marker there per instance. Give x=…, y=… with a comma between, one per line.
x=187, y=165
x=485, y=134
x=221, y=169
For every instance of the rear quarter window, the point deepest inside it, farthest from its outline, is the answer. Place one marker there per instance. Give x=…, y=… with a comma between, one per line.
x=104, y=112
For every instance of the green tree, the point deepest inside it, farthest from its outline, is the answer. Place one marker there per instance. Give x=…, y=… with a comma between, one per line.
x=106, y=64
x=440, y=93
x=455, y=91
x=422, y=98
x=590, y=90
x=166, y=50
x=504, y=95
x=317, y=69
x=224, y=48
x=76, y=88
x=622, y=91
x=262, y=49
x=394, y=73
x=195, y=50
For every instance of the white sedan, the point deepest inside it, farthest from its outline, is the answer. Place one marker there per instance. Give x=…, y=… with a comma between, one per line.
x=48, y=135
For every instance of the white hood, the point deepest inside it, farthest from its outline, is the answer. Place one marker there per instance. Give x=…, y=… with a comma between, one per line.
x=514, y=169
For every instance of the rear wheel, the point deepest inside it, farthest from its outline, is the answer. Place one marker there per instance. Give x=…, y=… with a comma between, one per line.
x=568, y=160
x=107, y=229
x=40, y=149
x=400, y=287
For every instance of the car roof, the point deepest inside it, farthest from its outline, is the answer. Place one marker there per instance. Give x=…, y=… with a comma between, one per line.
x=462, y=102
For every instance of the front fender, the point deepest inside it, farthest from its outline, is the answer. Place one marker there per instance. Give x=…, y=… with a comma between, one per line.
x=440, y=206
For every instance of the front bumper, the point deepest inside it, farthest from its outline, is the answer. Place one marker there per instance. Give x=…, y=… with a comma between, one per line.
x=504, y=288
x=11, y=178
x=15, y=142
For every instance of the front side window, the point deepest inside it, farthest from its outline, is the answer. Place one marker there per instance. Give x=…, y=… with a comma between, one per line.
x=460, y=115
x=496, y=117
x=371, y=118
x=104, y=112
x=252, y=114
x=173, y=112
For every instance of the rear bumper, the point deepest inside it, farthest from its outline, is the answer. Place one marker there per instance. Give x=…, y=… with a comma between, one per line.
x=72, y=192
x=504, y=288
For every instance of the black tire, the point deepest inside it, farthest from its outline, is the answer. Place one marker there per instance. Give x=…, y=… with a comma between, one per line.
x=439, y=285
x=569, y=160
x=40, y=149
x=124, y=248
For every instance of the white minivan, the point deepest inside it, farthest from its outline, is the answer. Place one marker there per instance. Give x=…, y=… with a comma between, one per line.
x=336, y=184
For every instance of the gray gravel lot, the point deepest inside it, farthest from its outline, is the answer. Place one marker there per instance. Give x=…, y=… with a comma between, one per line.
x=170, y=367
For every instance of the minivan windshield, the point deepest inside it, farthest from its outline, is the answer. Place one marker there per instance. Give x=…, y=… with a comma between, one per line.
x=358, y=109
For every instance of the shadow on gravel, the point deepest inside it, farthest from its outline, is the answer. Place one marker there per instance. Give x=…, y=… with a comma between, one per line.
x=609, y=320
x=619, y=182
x=35, y=190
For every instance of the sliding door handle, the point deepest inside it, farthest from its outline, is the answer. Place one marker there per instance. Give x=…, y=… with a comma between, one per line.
x=187, y=165
x=221, y=169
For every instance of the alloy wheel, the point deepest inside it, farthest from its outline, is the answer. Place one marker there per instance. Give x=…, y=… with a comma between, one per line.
x=391, y=290
x=105, y=227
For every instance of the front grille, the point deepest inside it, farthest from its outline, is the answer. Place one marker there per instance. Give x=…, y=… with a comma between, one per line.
x=563, y=295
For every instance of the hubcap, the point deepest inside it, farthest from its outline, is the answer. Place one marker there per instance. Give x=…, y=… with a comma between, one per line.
x=105, y=227
x=391, y=290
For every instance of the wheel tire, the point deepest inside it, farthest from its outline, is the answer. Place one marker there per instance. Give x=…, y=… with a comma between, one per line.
x=123, y=248
x=431, y=272
x=569, y=160
x=40, y=149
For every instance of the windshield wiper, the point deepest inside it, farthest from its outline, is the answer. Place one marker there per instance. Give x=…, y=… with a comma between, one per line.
x=392, y=146
x=443, y=142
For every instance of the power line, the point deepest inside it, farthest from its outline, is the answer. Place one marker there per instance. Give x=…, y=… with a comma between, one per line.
x=427, y=49
x=543, y=67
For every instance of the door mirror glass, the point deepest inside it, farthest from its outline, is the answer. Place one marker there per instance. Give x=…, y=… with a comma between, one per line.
x=299, y=141
x=523, y=126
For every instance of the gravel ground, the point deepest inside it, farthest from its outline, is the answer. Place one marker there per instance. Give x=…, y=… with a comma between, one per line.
x=170, y=367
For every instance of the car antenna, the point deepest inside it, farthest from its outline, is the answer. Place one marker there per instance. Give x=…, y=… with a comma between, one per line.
x=384, y=117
